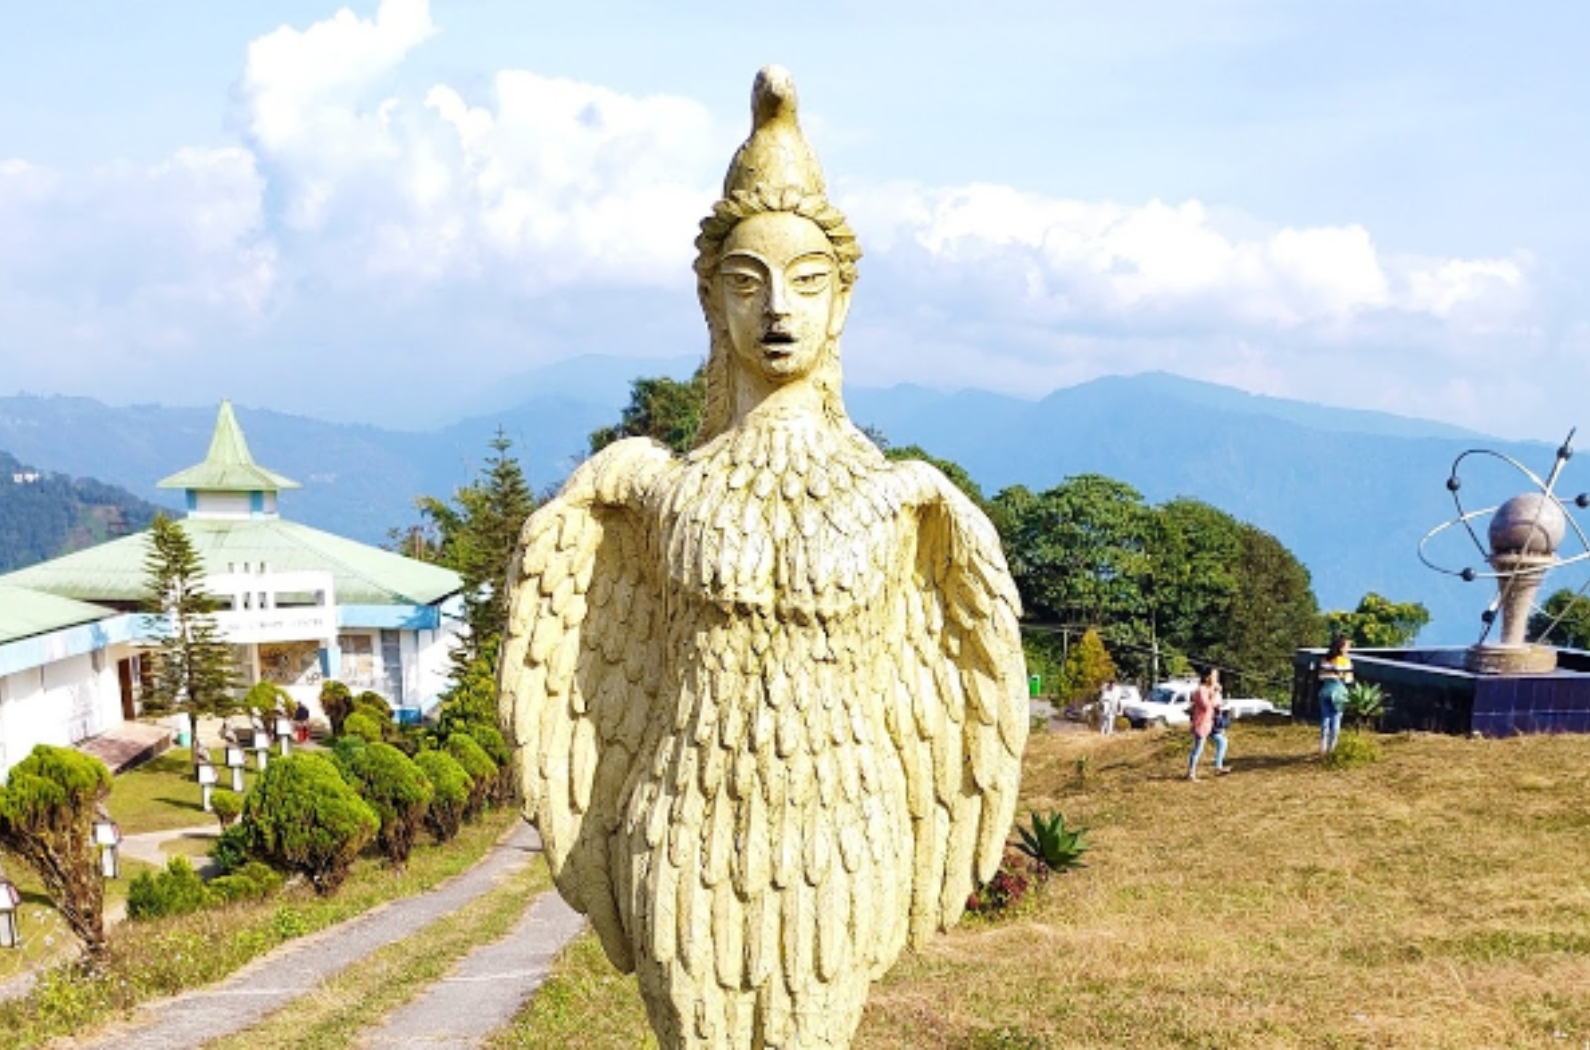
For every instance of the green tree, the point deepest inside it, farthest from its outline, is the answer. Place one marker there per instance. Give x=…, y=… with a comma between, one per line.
x=660, y=408
x=475, y=536
x=1564, y=620
x=1079, y=556
x=1088, y=666
x=1272, y=613
x=1379, y=623
x=47, y=810
x=194, y=671
x=451, y=791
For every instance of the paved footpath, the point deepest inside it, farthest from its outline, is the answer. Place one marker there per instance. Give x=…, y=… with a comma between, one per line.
x=194, y=1018
x=486, y=989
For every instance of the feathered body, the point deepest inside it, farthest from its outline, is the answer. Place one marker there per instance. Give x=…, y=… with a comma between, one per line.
x=769, y=706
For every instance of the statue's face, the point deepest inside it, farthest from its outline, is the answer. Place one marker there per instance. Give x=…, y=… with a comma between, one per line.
x=779, y=292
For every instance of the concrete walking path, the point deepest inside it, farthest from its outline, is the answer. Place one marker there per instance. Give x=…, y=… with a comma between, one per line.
x=487, y=987
x=266, y=985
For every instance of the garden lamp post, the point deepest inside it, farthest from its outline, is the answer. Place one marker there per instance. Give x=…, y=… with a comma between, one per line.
x=9, y=900
x=207, y=780
x=235, y=757
x=284, y=733
x=107, y=836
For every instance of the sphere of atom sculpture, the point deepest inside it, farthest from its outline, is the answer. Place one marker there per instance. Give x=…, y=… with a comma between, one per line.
x=767, y=700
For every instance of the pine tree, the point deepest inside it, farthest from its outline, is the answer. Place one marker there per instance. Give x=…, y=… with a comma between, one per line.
x=194, y=671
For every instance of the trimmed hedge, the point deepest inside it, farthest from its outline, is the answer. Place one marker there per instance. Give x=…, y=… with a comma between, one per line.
x=302, y=816
x=395, y=788
x=450, y=791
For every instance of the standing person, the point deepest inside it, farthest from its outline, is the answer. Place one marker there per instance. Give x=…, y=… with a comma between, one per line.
x=1109, y=707
x=1205, y=701
x=1335, y=675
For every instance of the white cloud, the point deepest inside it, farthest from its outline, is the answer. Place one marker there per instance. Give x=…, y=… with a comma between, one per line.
x=363, y=212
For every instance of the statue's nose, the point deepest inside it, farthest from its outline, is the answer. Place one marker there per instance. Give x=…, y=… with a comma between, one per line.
x=777, y=298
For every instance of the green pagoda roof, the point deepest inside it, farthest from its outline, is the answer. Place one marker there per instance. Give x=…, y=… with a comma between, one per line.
x=361, y=574
x=25, y=612
x=228, y=467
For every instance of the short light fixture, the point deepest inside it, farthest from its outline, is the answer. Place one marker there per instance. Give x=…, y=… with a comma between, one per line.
x=207, y=779
x=235, y=756
x=9, y=900
x=107, y=836
x=284, y=733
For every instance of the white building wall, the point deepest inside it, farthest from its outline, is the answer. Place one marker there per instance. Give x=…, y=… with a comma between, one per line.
x=60, y=704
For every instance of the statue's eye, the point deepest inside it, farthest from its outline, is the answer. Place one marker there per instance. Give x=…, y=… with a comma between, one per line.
x=810, y=277
x=741, y=283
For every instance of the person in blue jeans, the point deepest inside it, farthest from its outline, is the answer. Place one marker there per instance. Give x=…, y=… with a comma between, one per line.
x=1205, y=716
x=1335, y=674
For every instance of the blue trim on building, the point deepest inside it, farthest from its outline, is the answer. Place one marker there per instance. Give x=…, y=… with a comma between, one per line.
x=193, y=500
x=26, y=653
x=390, y=617
x=256, y=503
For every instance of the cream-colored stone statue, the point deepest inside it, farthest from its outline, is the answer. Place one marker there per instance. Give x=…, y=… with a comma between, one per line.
x=768, y=699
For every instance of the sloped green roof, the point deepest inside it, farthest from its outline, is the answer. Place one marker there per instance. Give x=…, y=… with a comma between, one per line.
x=25, y=612
x=228, y=467
x=361, y=574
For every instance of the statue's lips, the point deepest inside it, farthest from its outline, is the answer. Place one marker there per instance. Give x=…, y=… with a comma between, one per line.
x=778, y=343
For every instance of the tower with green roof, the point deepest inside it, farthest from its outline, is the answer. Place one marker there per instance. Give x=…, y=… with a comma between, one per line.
x=229, y=484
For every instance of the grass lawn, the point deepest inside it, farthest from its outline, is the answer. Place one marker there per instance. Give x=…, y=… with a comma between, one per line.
x=161, y=794
x=1439, y=897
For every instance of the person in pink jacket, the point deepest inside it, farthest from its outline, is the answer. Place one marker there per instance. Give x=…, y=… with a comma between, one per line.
x=1205, y=706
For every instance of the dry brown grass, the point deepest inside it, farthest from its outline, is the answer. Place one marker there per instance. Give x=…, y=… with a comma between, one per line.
x=1437, y=898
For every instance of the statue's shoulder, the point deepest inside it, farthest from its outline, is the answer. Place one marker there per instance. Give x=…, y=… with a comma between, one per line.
x=621, y=475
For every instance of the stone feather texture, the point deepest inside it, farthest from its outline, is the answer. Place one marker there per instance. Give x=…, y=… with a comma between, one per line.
x=768, y=705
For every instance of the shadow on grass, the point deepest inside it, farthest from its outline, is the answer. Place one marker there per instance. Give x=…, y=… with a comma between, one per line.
x=194, y=804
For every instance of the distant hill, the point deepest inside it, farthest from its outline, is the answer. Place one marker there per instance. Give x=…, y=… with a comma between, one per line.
x=44, y=515
x=1350, y=492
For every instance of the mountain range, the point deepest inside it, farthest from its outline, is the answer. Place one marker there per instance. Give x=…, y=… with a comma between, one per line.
x=1350, y=492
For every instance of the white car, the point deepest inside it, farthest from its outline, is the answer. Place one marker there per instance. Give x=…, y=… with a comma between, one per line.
x=1167, y=704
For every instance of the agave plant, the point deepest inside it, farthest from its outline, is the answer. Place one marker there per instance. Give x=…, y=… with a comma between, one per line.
x=1050, y=845
x=1366, y=703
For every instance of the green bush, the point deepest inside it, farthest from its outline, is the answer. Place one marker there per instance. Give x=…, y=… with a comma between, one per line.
x=481, y=769
x=268, y=698
x=230, y=851
x=336, y=700
x=303, y=817
x=253, y=881
x=343, y=749
x=47, y=810
x=380, y=710
x=450, y=791
x=1353, y=749
x=226, y=805
x=396, y=789
x=361, y=725
x=176, y=891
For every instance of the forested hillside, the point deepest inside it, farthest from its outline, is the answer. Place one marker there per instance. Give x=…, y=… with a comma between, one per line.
x=43, y=514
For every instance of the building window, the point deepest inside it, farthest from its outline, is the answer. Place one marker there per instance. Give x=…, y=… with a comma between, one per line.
x=358, y=661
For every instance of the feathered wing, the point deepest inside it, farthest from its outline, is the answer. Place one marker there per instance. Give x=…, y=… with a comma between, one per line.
x=578, y=672
x=959, y=715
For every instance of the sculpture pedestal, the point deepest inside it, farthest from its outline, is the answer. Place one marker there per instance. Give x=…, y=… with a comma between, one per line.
x=1510, y=659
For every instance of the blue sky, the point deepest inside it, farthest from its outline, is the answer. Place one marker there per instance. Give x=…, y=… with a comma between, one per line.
x=376, y=212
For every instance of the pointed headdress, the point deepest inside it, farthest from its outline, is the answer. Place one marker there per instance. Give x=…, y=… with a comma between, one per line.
x=775, y=170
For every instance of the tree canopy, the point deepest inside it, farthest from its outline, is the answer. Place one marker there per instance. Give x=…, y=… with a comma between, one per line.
x=1379, y=622
x=660, y=408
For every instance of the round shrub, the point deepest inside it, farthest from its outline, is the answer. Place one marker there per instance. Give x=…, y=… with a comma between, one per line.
x=253, y=881
x=361, y=725
x=450, y=789
x=376, y=703
x=267, y=698
x=398, y=792
x=301, y=816
x=481, y=769
x=336, y=700
x=342, y=750
x=230, y=851
x=175, y=891
x=226, y=805
x=1353, y=749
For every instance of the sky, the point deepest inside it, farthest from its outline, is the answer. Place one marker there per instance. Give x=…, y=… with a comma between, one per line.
x=376, y=212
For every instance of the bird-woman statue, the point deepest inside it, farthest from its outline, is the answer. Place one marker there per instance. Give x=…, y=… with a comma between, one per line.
x=767, y=699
